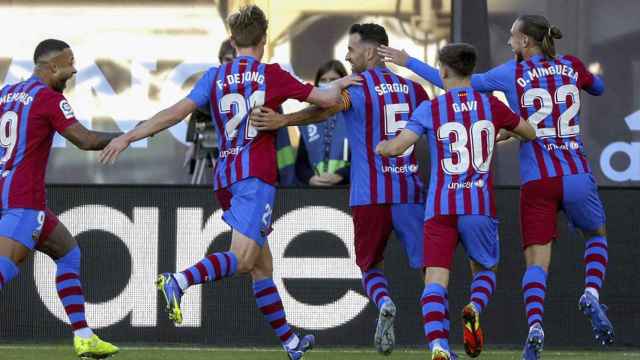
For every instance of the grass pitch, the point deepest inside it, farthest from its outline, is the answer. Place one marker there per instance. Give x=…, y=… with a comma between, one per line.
x=32, y=352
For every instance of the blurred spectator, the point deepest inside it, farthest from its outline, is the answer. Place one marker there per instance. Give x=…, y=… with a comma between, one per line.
x=227, y=52
x=323, y=156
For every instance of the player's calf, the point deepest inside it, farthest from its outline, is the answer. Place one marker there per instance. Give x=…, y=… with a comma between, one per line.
x=70, y=292
x=482, y=288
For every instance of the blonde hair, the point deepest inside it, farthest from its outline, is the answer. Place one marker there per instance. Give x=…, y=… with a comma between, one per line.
x=248, y=26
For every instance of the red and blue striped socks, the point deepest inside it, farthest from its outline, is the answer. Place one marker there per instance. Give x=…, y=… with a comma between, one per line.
x=376, y=286
x=534, y=288
x=483, y=286
x=70, y=292
x=596, y=258
x=270, y=304
x=213, y=267
x=434, y=305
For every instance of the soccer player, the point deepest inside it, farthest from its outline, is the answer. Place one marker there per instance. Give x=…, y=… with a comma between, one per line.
x=545, y=88
x=386, y=193
x=31, y=112
x=246, y=169
x=461, y=128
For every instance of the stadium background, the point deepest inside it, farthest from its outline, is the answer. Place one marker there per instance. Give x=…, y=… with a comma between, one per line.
x=135, y=57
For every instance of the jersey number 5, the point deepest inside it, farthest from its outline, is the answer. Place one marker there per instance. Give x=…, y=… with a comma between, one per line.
x=479, y=131
x=546, y=107
x=242, y=108
x=8, y=134
x=392, y=125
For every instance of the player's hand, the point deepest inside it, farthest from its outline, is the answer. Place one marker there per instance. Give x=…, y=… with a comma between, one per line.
x=325, y=179
x=380, y=148
x=110, y=153
x=388, y=54
x=349, y=80
x=505, y=136
x=265, y=119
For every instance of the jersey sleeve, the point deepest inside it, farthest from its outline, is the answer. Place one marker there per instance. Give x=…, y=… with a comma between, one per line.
x=201, y=92
x=420, y=120
x=503, y=117
x=285, y=86
x=61, y=115
x=425, y=71
x=500, y=78
x=587, y=81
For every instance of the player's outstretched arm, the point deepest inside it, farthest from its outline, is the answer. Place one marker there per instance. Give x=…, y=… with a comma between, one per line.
x=158, y=122
x=330, y=96
x=86, y=139
x=397, y=145
x=401, y=58
x=265, y=119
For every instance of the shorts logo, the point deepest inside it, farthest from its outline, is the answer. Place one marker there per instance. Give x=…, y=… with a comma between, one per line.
x=66, y=109
x=266, y=220
x=36, y=233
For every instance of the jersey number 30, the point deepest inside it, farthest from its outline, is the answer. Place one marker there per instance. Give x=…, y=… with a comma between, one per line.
x=8, y=134
x=242, y=108
x=479, y=131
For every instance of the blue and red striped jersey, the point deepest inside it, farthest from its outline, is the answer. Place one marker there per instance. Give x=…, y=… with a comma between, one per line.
x=377, y=111
x=461, y=128
x=546, y=92
x=231, y=91
x=30, y=115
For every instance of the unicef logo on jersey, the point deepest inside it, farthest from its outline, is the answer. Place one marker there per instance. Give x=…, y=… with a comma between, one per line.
x=404, y=169
x=480, y=183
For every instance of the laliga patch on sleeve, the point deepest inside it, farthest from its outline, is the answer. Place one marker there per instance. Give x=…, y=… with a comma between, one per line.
x=66, y=109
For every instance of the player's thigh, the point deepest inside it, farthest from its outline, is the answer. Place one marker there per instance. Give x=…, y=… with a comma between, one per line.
x=582, y=203
x=540, y=201
x=19, y=231
x=479, y=236
x=251, y=208
x=408, y=221
x=372, y=226
x=440, y=241
x=55, y=240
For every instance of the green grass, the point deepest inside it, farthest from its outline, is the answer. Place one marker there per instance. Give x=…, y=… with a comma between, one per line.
x=28, y=352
